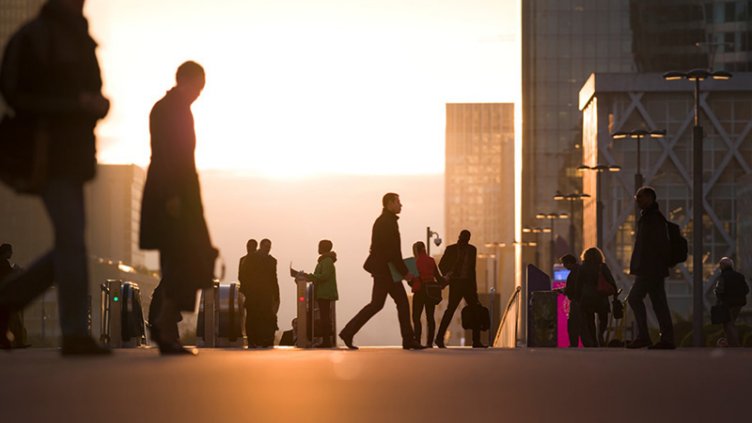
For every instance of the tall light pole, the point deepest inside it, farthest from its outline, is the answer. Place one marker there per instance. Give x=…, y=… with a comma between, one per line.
x=638, y=135
x=697, y=75
x=572, y=198
x=552, y=217
x=599, y=169
x=429, y=235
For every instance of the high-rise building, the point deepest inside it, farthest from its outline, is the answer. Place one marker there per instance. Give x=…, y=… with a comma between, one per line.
x=479, y=191
x=624, y=102
x=562, y=43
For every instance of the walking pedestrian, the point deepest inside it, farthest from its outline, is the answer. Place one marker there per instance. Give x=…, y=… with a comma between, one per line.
x=51, y=80
x=324, y=278
x=731, y=291
x=385, y=254
x=429, y=277
x=649, y=264
x=15, y=320
x=250, y=248
x=172, y=213
x=593, y=285
x=574, y=318
x=458, y=265
x=261, y=292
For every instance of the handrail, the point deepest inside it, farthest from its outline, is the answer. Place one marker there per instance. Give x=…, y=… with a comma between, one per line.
x=514, y=297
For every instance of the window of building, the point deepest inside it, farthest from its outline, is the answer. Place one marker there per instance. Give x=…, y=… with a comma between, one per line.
x=729, y=14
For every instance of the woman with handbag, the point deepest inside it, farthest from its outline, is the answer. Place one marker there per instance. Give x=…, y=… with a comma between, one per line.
x=594, y=285
x=426, y=289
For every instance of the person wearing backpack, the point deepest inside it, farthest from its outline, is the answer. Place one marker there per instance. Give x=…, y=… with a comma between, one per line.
x=593, y=285
x=651, y=259
x=731, y=290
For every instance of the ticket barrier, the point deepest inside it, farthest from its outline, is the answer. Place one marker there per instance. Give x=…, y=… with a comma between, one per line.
x=309, y=316
x=122, y=324
x=221, y=316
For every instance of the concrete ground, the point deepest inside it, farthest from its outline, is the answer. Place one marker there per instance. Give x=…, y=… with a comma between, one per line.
x=379, y=385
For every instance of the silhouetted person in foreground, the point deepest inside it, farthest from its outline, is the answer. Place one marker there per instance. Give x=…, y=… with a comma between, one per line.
x=574, y=319
x=325, y=282
x=261, y=296
x=592, y=302
x=458, y=265
x=290, y=337
x=428, y=274
x=50, y=78
x=172, y=214
x=250, y=248
x=731, y=290
x=385, y=252
x=650, y=264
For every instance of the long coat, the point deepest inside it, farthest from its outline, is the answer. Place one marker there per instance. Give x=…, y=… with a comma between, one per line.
x=650, y=256
x=172, y=174
x=451, y=257
x=386, y=246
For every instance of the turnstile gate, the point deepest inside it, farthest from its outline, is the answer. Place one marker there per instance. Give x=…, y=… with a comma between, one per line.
x=221, y=316
x=309, y=317
x=122, y=324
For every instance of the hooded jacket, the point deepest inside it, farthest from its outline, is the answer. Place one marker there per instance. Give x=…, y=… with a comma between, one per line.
x=325, y=277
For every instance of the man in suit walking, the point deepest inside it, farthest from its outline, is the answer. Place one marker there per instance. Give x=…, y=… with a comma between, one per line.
x=458, y=265
x=385, y=252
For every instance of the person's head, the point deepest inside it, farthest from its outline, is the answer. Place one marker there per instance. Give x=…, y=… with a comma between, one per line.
x=73, y=5
x=592, y=256
x=266, y=246
x=419, y=248
x=190, y=79
x=6, y=251
x=294, y=324
x=391, y=202
x=325, y=246
x=568, y=261
x=645, y=197
x=251, y=246
x=726, y=263
x=464, y=237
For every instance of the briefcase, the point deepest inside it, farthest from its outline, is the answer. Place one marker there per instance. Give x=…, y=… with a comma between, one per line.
x=475, y=316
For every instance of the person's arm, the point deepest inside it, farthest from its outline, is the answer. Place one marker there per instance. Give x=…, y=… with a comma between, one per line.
x=610, y=278
x=324, y=271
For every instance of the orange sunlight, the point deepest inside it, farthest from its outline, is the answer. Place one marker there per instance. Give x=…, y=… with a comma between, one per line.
x=297, y=88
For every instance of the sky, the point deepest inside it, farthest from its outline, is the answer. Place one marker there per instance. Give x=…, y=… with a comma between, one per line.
x=305, y=87
x=312, y=110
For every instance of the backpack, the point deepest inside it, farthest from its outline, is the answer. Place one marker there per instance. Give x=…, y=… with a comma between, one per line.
x=678, y=246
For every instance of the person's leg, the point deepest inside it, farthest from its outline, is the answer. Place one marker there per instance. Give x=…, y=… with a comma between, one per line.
x=602, y=328
x=573, y=324
x=732, y=333
x=64, y=201
x=398, y=294
x=588, y=327
x=325, y=310
x=636, y=300
x=431, y=323
x=657, y=293
x=378, y=298
x=18, y=290
x=250, y=335
x=154, y=308
x=470, y=295
x=419, y=301
x=455, y=296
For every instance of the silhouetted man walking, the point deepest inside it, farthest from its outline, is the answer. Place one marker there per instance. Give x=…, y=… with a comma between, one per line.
x=458, y=265
x=261, y=291
x=386, y=251
x=172, y=214
x=649, y=265
x=51, y=79
x=731, y=290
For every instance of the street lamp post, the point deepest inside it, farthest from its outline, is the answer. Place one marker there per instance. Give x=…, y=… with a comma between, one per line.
x=552, y=217
x=599, y=169
x=638, y=135
x=697, y=75
x=429, y=235
x=571, y=197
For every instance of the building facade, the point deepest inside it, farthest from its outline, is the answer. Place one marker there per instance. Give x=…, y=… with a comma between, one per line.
x=624, y=102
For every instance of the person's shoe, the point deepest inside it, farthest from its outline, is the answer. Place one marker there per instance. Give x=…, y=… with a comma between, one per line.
x=480, y=346
x=5, y=344
x=639, y=343
x=440, y=342
x=412, y=345
x=662, y=345
x=83, y=346
x=175, y=348
x=348, y=340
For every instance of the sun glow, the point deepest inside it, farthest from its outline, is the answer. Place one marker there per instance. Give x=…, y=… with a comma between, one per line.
x=297, y=88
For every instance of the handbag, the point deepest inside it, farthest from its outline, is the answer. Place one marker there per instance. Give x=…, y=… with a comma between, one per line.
x=433, y=292
x=604, y=288
x=24, y=154
x=720, y=314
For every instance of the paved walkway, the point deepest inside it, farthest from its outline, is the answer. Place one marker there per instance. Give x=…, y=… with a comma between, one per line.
x=379, y=385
